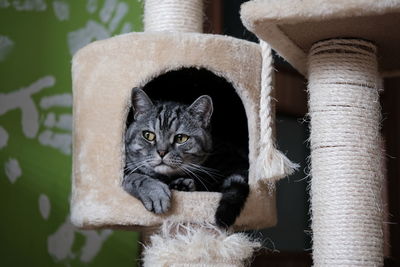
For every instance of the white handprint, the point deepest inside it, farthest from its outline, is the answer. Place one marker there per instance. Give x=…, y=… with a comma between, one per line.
x=61, y=242
x=13, y=170
x=54, y=123
x=22, y=99
x=24, y=5
x=3, y=137
x=6, y=46
x=111, y=15
x=61, y=10
x=45, y=123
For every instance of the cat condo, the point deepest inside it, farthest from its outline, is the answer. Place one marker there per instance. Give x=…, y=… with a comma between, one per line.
x=171, y=50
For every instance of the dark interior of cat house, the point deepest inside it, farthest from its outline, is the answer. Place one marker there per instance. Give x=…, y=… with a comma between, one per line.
x=228, y=121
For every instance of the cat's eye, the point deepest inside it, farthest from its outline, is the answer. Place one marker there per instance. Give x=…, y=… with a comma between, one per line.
x=149, y=136
x=181, y=138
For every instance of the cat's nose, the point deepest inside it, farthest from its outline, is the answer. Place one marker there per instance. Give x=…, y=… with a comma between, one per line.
x=161, y=153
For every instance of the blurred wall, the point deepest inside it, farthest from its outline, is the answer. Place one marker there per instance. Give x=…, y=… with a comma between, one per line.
x=292, y=232
x=37, y=41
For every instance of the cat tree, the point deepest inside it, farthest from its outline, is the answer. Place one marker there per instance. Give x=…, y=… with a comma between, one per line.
x=343, y=47
x=104, y=74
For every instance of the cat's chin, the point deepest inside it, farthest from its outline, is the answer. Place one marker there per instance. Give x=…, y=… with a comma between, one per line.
x=165, y=169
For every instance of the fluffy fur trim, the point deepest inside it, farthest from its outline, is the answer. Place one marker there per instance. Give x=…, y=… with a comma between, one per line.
x=198, y=245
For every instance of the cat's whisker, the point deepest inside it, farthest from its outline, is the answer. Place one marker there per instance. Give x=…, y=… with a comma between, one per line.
x=137, y=165
x=132, y=166
x=208, y=171
x=204, y=167
x=133, y=163
x=133, y=170
x=209, y=175
x=189, y=172
x=127, y=164
x=128, y=167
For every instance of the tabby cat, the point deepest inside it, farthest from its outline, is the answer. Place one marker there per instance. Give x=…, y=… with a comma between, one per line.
x=169, y=146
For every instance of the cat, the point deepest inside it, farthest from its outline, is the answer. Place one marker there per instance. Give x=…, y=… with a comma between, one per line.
x=169, y=146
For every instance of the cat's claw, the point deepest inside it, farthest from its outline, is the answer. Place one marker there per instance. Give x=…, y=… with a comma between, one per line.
x=183, y=184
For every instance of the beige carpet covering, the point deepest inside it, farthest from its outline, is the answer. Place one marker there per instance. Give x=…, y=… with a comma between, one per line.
x=104, y=73
x=292, y=26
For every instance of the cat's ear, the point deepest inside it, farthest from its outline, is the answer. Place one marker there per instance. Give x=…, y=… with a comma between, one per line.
x=202, y=109
x=140, y=101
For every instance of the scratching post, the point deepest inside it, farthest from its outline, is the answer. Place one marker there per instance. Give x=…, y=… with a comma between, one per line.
x=173, y=15
x=345, y=153
x=344, y=83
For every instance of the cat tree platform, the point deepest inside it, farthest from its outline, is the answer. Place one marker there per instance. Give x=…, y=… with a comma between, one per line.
x=291, y=27
x=343, y=48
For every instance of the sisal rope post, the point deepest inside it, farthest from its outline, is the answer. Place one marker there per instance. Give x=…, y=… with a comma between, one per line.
x=346, y=156
x=271, y=162
x=173, y=15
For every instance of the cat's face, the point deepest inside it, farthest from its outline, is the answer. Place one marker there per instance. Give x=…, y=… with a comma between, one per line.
x=168, y=138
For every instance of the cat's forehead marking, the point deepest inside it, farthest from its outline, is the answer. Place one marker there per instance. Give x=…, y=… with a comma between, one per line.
x=168, y=119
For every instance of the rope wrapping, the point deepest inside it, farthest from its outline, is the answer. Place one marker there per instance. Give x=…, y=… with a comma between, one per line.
x=173, y=15
x=271, y=163
x=346, y=153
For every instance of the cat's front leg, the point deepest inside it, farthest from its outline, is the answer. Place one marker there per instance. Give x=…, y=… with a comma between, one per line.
x=235, y=190
x=183, y=184
x=154, y=194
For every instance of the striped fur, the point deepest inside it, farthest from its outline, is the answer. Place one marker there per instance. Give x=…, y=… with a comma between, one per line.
x=161, y=162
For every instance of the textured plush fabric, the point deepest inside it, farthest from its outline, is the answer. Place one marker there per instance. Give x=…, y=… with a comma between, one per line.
x=104, y=73
x=292, y=26
x=198, y=245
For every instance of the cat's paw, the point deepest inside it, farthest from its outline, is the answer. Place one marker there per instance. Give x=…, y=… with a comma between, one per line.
x=224, y=216
x=183, y=184
x=235, y=191
x=156, y=197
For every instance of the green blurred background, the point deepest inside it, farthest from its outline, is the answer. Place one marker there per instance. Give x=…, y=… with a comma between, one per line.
x=37, y=41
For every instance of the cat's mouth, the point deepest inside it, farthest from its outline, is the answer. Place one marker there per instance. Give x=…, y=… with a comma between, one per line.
x=165, y=169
